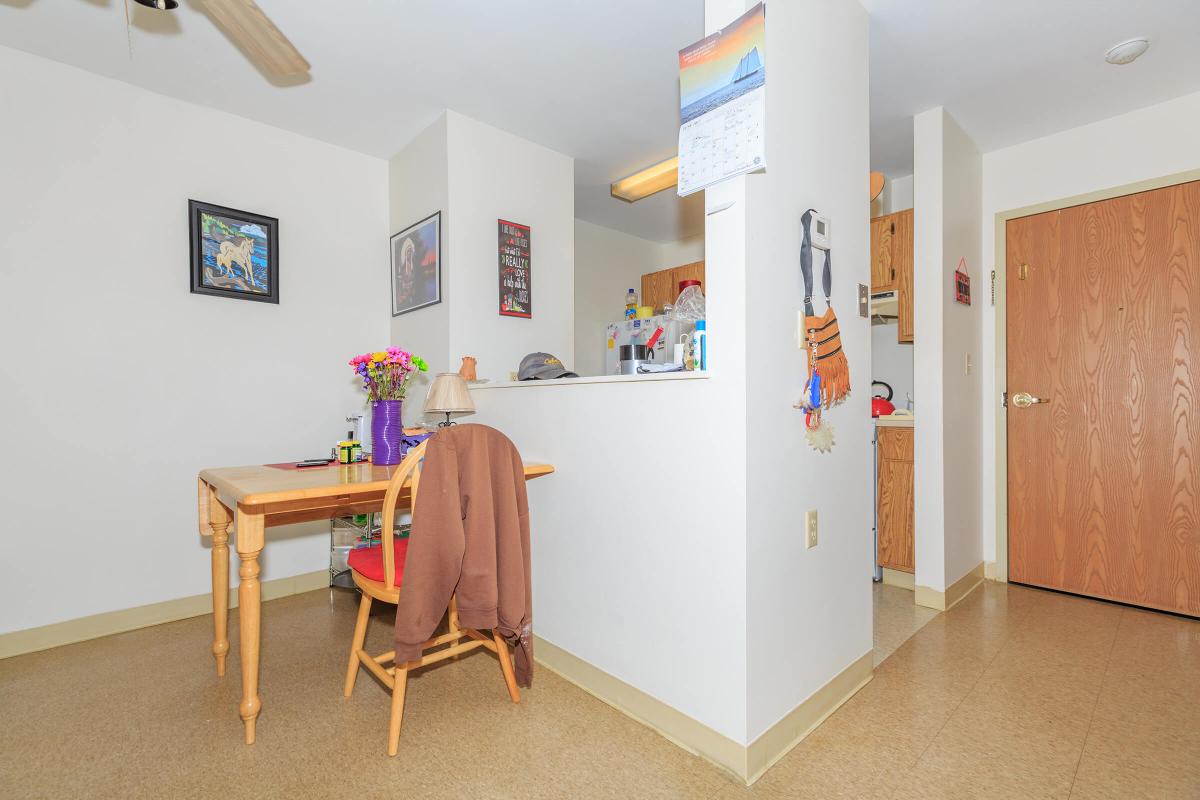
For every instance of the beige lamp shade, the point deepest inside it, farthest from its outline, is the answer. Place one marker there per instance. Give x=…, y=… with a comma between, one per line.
x=449, y=395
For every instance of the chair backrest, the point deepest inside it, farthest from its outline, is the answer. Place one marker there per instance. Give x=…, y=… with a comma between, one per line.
x=408, y=473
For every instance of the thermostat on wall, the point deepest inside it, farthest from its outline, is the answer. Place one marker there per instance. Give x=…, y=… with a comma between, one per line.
x=822, y=234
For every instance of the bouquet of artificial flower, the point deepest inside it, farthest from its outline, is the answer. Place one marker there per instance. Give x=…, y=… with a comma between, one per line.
x=386, y=374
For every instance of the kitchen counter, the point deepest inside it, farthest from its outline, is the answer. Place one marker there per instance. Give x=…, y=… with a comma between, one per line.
x=895, y=421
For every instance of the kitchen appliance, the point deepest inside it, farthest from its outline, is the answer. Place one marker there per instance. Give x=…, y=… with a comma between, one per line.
x=633, y=356
x=881, y=406
x=640, y=331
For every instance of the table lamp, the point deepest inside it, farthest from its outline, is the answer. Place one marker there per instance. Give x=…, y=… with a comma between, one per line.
x=449, y=395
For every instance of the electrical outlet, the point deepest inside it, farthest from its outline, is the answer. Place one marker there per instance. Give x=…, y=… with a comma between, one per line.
x=810, y=529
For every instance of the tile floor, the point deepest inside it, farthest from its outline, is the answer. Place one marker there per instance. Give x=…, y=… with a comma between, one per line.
x=897, y=618
x=1014, y=693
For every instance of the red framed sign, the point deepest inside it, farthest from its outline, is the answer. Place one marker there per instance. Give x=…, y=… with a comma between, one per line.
x=516, y=297
x=962, y=283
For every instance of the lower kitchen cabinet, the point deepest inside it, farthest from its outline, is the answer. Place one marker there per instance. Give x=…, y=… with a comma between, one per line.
x=895, y=522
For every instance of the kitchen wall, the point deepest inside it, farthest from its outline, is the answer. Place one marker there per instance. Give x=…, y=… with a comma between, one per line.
x=607, y=264
x=821, y=596
x=892, y=360
x=947, y=170
x=1152, y=142
x=119, y=385
x=892, y=363
x=897, y=195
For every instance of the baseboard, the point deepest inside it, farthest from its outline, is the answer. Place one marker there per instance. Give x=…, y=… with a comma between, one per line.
x=128, y=619
x=899, y=579
x=778, y=740
x=744, y=763
x=955, y=592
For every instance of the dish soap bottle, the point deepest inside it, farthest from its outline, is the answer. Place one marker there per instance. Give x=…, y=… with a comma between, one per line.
x=631, y=303
x=700, y=346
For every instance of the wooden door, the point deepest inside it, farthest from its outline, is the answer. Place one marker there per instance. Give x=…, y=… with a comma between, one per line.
x=1104, y=476
x=902, y=259
x=895, y=522
x=883, y=275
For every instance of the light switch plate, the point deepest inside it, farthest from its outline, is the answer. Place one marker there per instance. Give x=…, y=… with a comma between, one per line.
x=864, y=301
x=810, y=529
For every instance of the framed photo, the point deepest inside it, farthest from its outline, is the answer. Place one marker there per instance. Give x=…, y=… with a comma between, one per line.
x=417, y=266
x=234, y=253
x=516, y=289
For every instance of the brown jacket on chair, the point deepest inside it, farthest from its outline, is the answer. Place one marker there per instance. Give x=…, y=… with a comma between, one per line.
x=470, y=535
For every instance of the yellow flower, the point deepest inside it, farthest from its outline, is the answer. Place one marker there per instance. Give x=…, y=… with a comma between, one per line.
x=378, y=356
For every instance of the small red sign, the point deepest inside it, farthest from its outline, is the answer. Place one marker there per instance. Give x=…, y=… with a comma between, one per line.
x=962, y=283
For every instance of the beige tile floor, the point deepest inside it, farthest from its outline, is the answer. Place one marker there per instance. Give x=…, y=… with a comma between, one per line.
x=897, y=618
x=1014, y=693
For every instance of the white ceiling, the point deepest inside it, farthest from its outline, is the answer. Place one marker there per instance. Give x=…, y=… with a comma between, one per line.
x=596, y=79
x=1013, y=70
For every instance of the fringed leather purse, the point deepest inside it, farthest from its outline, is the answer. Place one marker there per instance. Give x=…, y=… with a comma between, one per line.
x=828, y=370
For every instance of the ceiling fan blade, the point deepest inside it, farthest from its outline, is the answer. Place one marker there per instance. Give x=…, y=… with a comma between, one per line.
x=250, y=29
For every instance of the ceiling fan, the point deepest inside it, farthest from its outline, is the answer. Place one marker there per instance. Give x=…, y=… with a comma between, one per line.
x=250, y=29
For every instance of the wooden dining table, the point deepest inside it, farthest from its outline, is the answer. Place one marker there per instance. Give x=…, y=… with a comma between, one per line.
x=254, y=498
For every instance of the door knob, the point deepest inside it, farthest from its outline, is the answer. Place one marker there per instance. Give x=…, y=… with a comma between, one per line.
x=1025, y=400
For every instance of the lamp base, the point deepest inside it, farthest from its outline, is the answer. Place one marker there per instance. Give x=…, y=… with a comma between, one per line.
x=447, y=423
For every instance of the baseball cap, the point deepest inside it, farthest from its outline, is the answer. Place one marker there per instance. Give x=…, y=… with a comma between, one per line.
x=542, y=367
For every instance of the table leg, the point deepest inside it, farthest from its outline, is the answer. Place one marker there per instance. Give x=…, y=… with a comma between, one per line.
x=218, y=520
x=249, y=545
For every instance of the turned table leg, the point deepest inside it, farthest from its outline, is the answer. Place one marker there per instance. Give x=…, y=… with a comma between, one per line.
x=249, y=545
x=218, y=520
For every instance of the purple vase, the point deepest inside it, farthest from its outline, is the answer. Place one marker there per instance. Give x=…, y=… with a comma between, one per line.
x=386, y=432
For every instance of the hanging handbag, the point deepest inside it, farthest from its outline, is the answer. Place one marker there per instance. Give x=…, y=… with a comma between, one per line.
x=828, y=370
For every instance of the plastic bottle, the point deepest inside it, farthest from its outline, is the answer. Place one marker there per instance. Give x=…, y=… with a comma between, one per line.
x=700, y=346
x=631, y=304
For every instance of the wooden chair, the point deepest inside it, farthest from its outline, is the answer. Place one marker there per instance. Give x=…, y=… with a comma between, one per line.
x=385, y=586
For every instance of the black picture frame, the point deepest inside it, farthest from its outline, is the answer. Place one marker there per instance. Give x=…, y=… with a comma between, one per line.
x=226, y=274
x=410, y=281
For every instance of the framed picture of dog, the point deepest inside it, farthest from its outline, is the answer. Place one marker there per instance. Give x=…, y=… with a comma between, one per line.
x=234, y=253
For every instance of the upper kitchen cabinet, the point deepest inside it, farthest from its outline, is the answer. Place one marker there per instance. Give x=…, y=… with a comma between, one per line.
x=663, y=286
x=892, y=265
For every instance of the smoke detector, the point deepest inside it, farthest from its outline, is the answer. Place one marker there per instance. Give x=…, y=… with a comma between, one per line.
x=1126, y=52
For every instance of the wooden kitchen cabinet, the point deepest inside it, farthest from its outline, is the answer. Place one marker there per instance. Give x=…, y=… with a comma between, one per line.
x=895, y=519
x=663, y=286
x=892, y=265
x=903, y=261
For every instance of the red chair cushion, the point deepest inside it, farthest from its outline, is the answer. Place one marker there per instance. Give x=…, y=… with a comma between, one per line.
x=368, y=561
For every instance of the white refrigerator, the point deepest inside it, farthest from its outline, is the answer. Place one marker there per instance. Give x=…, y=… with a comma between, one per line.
x=639, y=331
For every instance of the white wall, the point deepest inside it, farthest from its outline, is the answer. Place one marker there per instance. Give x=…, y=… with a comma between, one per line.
x=947, y=170
x=418, y=186
x=119, y=385
x=961, y=214
x=495, y=175
x=607, y=264
x=897, y=195
x=809, y=611
x=892, y=363
x=1148, y=143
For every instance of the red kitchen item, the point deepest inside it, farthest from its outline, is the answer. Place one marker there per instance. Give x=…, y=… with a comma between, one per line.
x=684, y=284
x=881, y=406
x=653, y=339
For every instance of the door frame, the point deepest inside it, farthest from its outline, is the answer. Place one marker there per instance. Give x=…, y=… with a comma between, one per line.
x=1000, y=569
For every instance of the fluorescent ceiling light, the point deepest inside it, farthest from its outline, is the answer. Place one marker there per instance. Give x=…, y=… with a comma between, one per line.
x=662, y=175
x=1126, y=52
